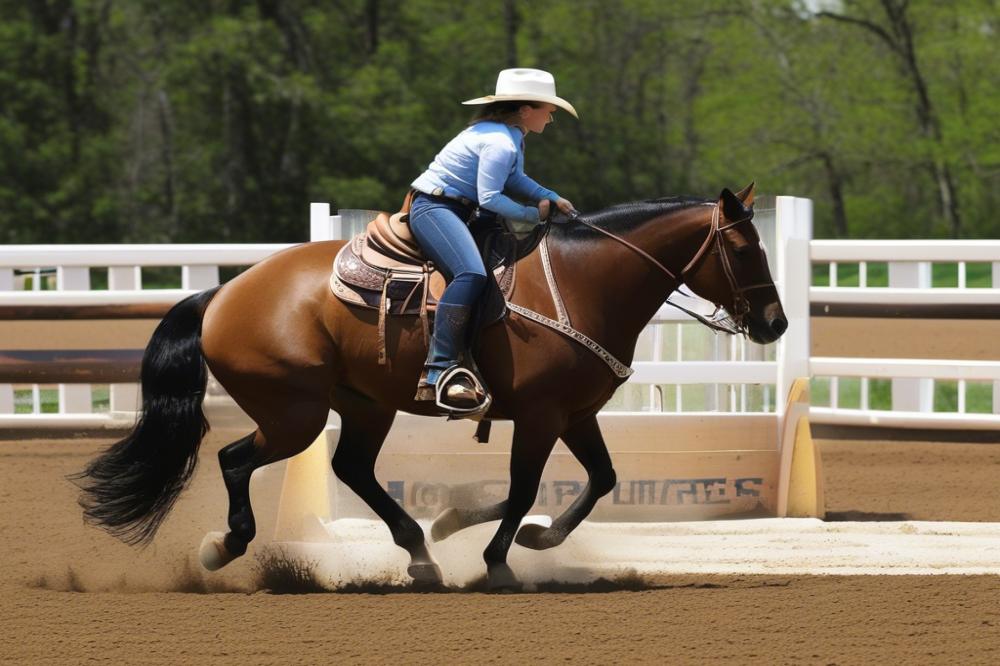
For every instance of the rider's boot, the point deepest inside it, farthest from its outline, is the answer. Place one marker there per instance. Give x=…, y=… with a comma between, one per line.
x=459, y=389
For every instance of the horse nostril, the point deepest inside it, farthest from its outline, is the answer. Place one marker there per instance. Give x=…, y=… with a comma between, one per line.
x=778, y=325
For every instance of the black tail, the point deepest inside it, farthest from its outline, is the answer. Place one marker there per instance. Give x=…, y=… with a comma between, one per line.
x=130, y=488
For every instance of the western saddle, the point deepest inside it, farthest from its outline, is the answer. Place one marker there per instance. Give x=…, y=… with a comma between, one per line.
x=383, y=268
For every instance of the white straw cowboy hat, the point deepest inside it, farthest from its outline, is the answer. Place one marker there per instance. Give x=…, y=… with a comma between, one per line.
x=529, y=85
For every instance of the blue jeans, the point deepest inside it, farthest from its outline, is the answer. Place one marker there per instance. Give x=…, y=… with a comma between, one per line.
x=439, y=226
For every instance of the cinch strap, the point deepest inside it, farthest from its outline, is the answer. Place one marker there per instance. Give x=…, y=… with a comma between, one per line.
x=620, y=369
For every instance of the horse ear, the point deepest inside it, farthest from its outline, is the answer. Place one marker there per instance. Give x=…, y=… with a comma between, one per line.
x=732, y=208
x=746, y=194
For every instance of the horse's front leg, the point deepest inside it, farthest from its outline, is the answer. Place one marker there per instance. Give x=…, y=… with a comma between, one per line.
x=585, y=441
x=364, y=426
x=530, y=449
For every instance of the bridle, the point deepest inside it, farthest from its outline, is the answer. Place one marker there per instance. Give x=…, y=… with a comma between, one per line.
x=721, y=320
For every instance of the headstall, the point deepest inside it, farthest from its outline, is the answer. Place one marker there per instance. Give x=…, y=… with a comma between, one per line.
x=721, y=320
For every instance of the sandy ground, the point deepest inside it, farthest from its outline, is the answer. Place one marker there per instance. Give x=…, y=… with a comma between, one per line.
x=905, y=338
x=70, y=594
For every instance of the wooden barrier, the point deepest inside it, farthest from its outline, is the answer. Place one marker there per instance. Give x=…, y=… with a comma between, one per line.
x=86, y=312
x=94, y=366
x=670, y=467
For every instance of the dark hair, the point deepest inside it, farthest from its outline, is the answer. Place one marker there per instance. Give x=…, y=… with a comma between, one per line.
x=500, y=112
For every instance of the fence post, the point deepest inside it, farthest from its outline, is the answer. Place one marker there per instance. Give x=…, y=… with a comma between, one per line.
x=74, y=398
x=911, y=395
x=793, y=231
x=322, y=225
x=199, y=277
x=124, y=398
x=6, y=390
x=996, y=385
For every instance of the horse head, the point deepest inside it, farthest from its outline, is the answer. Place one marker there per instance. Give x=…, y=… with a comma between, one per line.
x=730, y=270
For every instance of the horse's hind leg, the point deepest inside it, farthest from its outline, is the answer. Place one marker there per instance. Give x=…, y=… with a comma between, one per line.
x=292, y=425
x=364, y=426
x=238, y=460
x=453, y=519
x=585, y=441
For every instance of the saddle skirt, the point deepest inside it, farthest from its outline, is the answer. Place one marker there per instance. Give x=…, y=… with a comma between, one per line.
x=363, y=276
x=367, y=274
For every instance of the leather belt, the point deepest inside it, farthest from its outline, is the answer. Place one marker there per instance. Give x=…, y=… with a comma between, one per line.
x=439, y=193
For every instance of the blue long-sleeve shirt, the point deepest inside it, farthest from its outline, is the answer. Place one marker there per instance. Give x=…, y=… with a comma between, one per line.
x=483, y=162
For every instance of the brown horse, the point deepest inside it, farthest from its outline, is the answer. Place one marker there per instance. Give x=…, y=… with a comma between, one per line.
x=287, y=352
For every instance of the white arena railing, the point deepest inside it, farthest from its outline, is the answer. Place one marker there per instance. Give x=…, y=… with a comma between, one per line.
x=909, y=293
x=680, y=366
x=71, y=265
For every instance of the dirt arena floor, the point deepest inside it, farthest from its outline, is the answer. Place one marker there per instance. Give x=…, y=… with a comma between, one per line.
x=71, y=594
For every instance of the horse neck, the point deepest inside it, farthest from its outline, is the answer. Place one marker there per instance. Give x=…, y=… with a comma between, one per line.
x=614, y=298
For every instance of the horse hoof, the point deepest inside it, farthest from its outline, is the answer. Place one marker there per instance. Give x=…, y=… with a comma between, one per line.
x=501, y=578
x=213, y=553
x=533, y=536
x=425, y=573
x=447, y=523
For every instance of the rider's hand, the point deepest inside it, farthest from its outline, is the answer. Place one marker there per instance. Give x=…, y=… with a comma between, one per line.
x=544, y=207
x=565, y=206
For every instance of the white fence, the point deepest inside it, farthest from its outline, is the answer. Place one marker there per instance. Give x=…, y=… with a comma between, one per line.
x=198, y=267
x=909, y=285
x=680, y=366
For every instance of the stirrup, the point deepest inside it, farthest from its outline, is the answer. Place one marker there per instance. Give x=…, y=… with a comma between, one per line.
x=458, y=385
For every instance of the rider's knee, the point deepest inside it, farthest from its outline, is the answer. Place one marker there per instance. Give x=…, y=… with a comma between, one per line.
x=474, y=279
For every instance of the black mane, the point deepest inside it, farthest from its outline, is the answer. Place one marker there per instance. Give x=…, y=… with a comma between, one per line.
x=622, y=218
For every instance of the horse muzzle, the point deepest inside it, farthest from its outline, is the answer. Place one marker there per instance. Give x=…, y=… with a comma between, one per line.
x=769, y=327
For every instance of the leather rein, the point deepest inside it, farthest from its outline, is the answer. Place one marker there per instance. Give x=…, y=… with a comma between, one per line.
x=726, y=323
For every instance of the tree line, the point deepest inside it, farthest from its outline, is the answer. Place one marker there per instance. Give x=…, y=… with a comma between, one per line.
x=220, y=120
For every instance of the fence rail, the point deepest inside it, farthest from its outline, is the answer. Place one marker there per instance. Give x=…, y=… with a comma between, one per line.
x=725, y=367
x=77, y=256
x=910, y=294
x=941, y=251
x=900, y=368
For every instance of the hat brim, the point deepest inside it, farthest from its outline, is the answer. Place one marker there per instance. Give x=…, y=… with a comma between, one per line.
x=551, y=99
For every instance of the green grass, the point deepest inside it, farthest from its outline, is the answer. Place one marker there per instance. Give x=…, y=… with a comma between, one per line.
x=978, y=395
x=694, y=398
x=977, y=275
x=161, y=277
x=153, y=277
x=49, y=399
x=46, y=283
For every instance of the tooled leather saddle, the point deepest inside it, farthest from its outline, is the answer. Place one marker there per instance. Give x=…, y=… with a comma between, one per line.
x=383, y=268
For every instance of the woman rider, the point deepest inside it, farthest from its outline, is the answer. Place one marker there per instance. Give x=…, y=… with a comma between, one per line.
x=479, y=167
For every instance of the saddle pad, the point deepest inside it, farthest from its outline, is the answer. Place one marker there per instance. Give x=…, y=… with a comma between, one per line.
x=355, y=281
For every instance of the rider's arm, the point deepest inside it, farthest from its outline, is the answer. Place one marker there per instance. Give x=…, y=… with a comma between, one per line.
x=496, y=160
x=523, y=185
